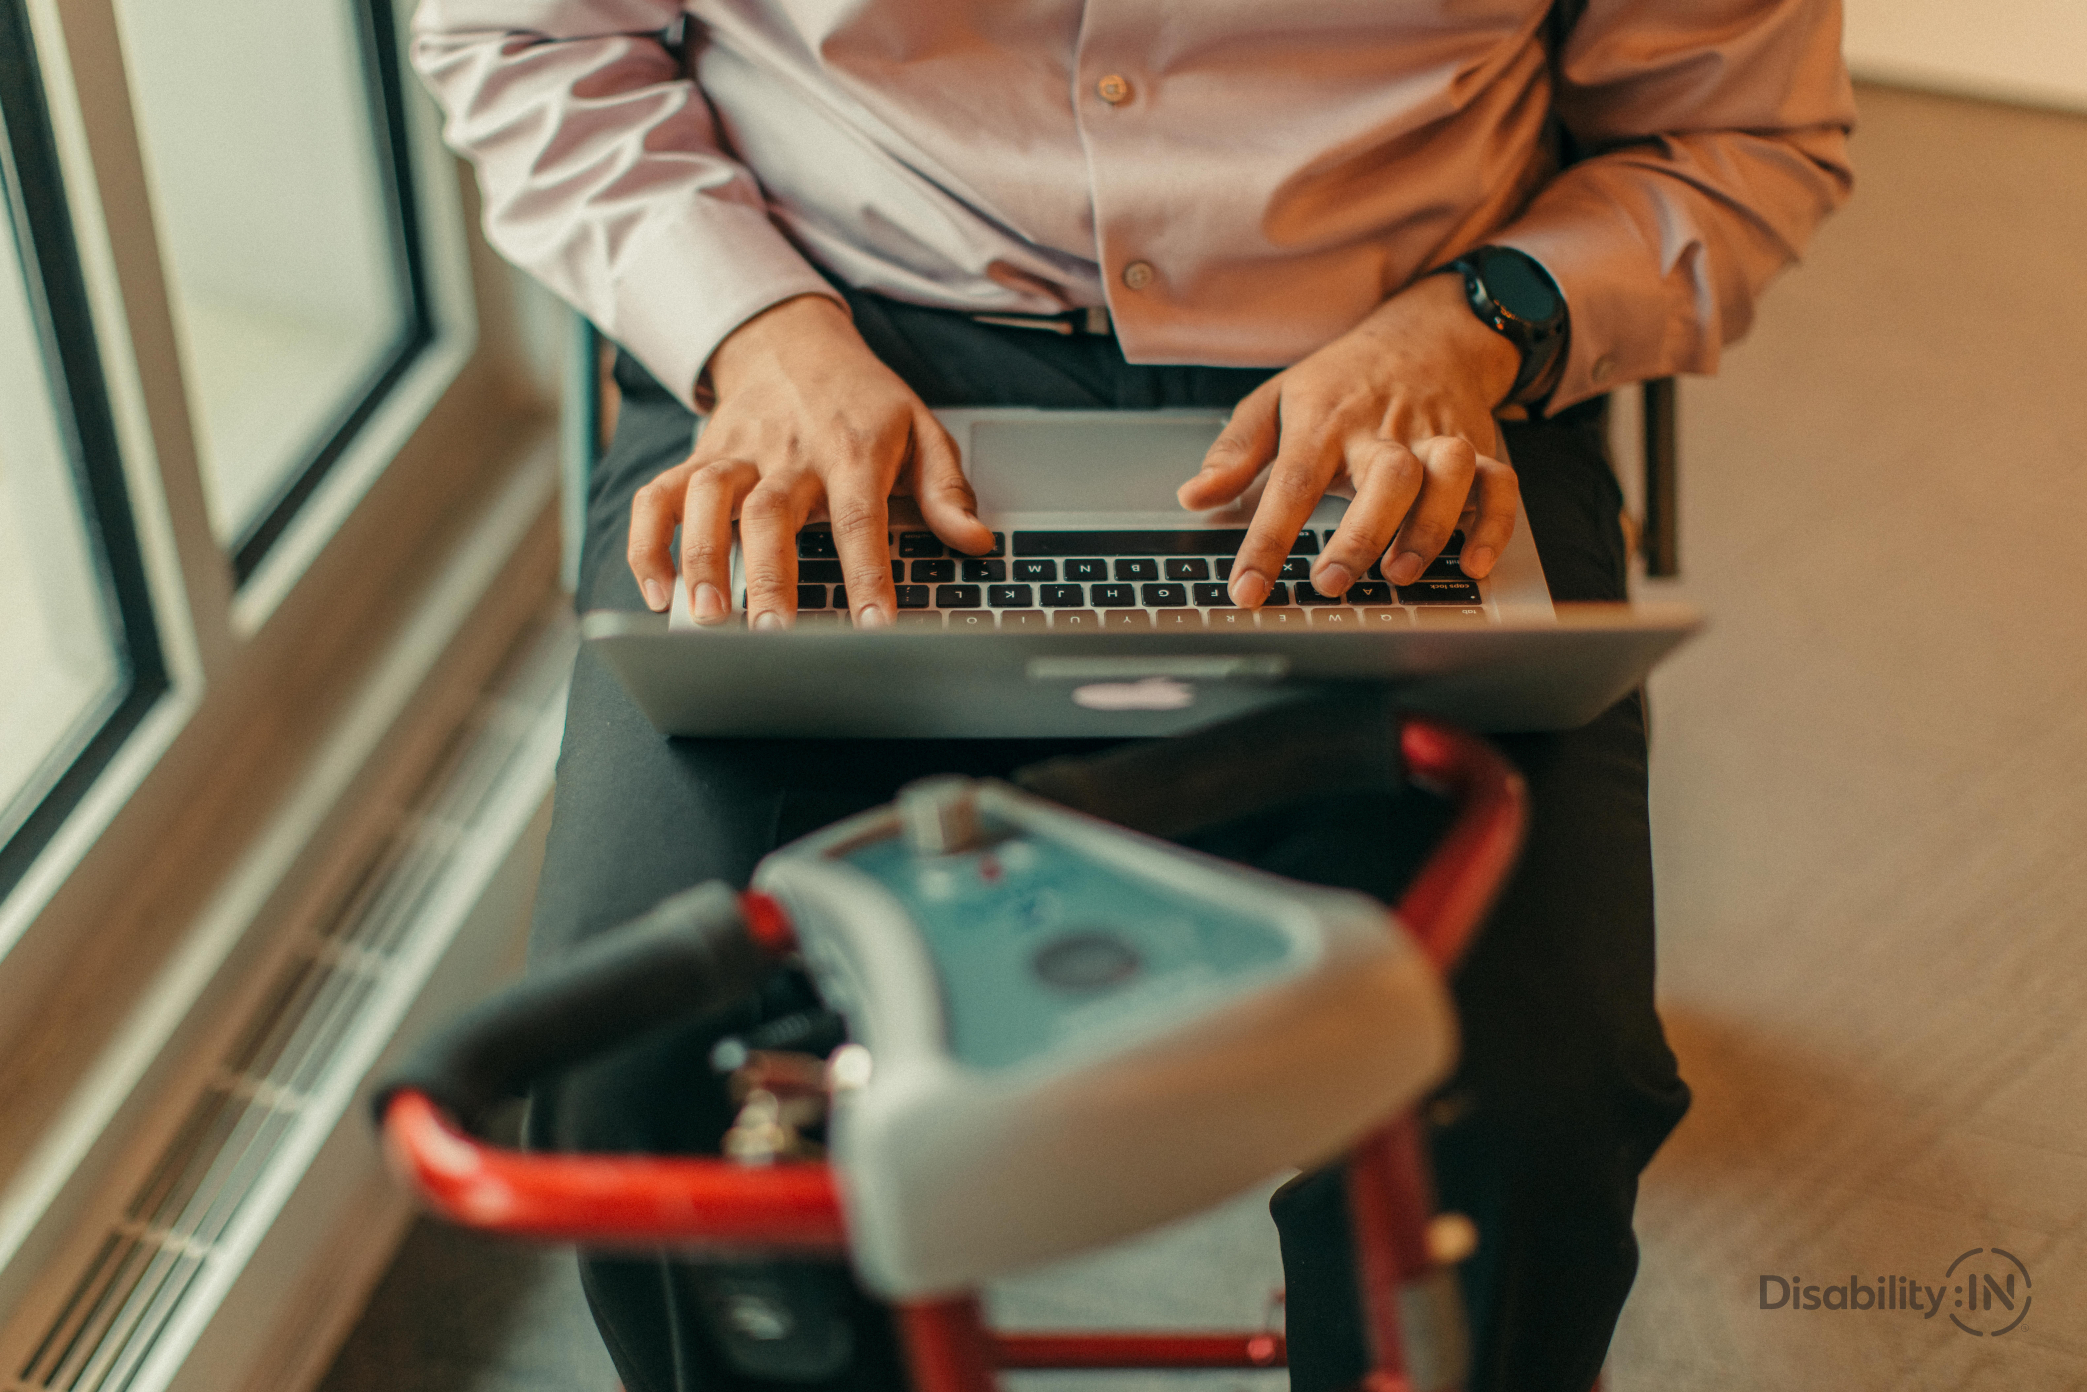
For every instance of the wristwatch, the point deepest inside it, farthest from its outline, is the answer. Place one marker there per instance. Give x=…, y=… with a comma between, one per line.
x=1513, y=295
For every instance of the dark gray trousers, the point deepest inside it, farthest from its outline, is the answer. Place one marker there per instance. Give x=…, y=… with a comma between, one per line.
x=1566, y=1085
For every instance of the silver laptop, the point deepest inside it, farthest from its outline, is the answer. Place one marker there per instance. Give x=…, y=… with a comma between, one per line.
x=1102, y=612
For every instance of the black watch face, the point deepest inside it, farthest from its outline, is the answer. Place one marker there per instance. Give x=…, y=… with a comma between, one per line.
x=1518, y=286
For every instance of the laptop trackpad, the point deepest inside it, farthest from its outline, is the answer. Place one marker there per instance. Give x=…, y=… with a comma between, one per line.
x=1090, y=461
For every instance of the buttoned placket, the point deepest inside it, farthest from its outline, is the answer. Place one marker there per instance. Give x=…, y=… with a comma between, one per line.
x=1110, y=90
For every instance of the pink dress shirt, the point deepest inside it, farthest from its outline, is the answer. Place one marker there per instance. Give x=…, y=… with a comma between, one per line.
x=1238, y=183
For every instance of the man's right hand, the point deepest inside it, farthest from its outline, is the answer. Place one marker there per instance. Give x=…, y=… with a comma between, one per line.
x=808, y=422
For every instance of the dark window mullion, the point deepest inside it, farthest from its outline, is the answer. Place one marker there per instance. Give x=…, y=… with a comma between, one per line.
x=32, y=197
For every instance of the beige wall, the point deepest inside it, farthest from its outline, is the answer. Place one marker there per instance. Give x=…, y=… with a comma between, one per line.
x=2014, y=50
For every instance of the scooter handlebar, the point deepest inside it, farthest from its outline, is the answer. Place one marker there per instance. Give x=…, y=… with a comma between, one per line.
x=609, y=1200
x=693, y=953
x=707, y=948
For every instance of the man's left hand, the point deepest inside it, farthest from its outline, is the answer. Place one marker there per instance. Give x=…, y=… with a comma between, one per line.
x=1397, y=414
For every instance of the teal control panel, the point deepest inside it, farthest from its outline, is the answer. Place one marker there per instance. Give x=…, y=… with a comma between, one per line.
x=1036, y=944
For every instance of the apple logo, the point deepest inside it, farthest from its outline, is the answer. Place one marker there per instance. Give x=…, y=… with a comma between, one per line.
x=1151, y=694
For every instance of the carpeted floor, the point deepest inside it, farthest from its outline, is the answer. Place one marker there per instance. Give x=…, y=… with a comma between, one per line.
x=1869, y=818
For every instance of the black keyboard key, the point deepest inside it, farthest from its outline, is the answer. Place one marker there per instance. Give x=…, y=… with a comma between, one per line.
x=817, y=545
x=984, y=572
x=1144, y=568
x=934, y=572
x=1125, y=618
x=1065, y=596
x=1278, y=593
x=1036, y=570
x=1178, y=620
x=1444, y=567
x=1154, y=543
x=1375, y=572
x=1011, y=596
x=957, y=597
x=1440, y=592
x=898, y=572
x=1455, y=544
x=1213, y=594
x=999, y=547
x=1369, y=592
x=1306, y=544
x=913, y=596
x=811, y=596
x=1296, y=568
x=1115, y=596
x=913, y=544
x=819, y=573
x=1306, y=594
x=1163, y=596
x=1224, y=567
x=1086, y=570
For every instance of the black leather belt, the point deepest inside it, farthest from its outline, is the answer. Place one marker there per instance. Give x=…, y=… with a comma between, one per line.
x=1074, y=323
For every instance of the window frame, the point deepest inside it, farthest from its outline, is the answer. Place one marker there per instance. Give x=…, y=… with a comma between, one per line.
x=33, y=199
x=252, y=671
x=377, y=37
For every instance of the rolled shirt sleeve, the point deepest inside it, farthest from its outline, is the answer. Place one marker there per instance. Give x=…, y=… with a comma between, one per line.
x=602, y=172
x=1715, y=136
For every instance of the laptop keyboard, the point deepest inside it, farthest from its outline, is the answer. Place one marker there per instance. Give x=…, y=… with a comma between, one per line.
x=1096, y=581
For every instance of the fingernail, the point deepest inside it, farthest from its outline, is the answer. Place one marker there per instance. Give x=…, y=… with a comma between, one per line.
x=872, y=617
x=1406, y=568
x=1249, y=588
x=768, y=618
x=1477, y=562
x=655, y=595
x=1334, y=579
x=709, y=605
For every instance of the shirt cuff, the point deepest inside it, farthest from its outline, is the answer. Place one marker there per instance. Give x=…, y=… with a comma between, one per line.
x=1629, y=322
x=683, y=282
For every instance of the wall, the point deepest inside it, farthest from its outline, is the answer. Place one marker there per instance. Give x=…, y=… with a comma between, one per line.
x=2032, y=51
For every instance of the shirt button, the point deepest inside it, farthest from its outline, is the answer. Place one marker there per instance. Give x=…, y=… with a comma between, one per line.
x=1113, y=89
x=1604, y=368
x=1138, y=274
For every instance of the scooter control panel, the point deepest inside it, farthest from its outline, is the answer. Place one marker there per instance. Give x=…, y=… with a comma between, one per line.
x=1076, y=1033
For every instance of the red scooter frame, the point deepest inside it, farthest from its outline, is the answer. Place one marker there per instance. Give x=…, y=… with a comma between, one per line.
x=604, y=1200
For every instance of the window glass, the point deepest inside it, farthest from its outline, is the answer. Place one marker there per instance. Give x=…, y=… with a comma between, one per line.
x=62, y=665
x=269, y=140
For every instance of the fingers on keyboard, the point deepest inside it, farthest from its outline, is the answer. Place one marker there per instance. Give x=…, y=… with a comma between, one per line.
x=1056, y=588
